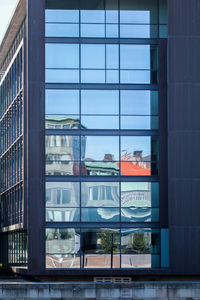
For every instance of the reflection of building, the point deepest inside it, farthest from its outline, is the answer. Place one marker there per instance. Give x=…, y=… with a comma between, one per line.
x=105, y=63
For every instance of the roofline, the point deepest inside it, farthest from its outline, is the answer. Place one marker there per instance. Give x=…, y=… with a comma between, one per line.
x=12, y=29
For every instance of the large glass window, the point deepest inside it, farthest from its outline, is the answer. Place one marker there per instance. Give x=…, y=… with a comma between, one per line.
x=100, y=63
x=136, y=19
x=103, y=248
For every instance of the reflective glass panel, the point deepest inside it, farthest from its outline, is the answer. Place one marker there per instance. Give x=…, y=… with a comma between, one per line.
x=93, y=76
x=62, y=56
x=62, y=102
x=100, y=102
x=100, y=194
x=136, y=148
x=62, y=248
x=140, y=248
x=62, y=15
x=100, y=248
x=62, y=194
x=92, y=30
x=139, y=194
x=62, y=168
x=112, y=56
x=100, y=148
x=139, y=122
x=100, y=214
x=133, y=214
x=135, y=77
x=61, y=30
x=135, y=56
x=62, y=214
x=62, y=122
x=92, y=56
x=100, y=122
x=62, y=76
x=92, y=16
x=100, y=168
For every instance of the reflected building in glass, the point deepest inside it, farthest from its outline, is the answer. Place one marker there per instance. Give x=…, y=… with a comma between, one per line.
x=84, y=138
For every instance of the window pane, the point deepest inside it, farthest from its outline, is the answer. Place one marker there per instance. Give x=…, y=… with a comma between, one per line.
x=140, y=248
x=92, y=76
x=140, y=77
x=93, y=30
x=112, y=56
x=133, y=214
x=100, y=214
x=100, y=168
x=139, y=194
x=99, y=102
x=136, y=148
x=97, y=245
x=62, y=194
x=111, y=16
x=87, y=5
x=142, y=11
x=62, y=148
x=100, y=122
x=60, y=4
x=62, y=15
x=62, y=102
x=135, y=56
x=57, y=214
x=92, y=16
x=136, y=122
x=101, y=148
x=135, y=16
x=92, y=56
x=62, y=168
x=112, y=31
x=62, y=30
x=138, y=31
x=62, y=248
x=62, y=56
x=62, y=122
x=100, y=194
x=62, y=76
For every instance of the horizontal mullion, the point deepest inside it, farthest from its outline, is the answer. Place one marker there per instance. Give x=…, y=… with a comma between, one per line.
x=102, y=86
x=104, y=132
x=78, y=178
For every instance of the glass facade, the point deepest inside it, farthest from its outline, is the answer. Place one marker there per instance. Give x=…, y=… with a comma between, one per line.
x=102, y=116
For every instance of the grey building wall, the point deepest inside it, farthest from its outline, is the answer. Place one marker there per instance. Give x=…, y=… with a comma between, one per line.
x=184, y=135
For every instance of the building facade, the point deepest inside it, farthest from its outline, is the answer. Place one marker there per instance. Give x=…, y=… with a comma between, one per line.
x=87, y=138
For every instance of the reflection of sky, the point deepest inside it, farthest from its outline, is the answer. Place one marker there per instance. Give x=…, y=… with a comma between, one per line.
x=136, y=143
x=97, y=147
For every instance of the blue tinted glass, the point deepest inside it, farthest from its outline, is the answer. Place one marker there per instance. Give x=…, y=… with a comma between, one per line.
x=62, y=101
x=92, y=56
x=112, y=76
x=136, y=122
x=93, y=30
x=100, y=122
x=62, y=15
x=111, y=16
x=135, y=102
x=100, y=148
x=100, y=214
x=112, y=56
x=62, y=76
x=62, y=56
x=93, y=76
x=135, y=31
x=62, y=30
x=62, y=121
x=135, y=56
x=142, y=77
x=133, y=214
x=112, y=30
x=92, y=16
x=135, y=16
x=133, y=147
x=99, y=102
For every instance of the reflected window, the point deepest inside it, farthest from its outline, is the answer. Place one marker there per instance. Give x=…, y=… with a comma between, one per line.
x=100, y=194
x=62, y=248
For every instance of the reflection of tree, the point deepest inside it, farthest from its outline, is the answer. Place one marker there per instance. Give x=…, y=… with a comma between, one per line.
x=140, y=244
x=109, y=242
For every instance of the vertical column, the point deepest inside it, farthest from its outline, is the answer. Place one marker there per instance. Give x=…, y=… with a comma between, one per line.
x=35, y=135
x=184, y=135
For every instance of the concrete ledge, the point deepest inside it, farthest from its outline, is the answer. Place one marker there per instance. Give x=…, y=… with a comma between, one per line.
x=89, y=290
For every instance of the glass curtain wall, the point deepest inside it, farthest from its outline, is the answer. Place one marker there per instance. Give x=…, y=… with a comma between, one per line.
x=102, y=133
